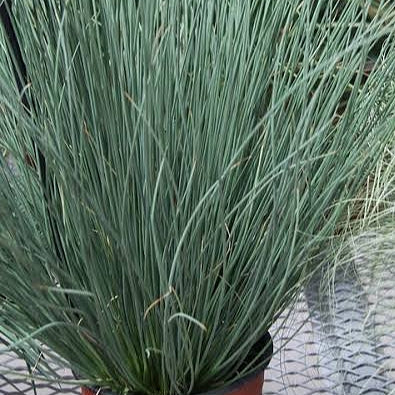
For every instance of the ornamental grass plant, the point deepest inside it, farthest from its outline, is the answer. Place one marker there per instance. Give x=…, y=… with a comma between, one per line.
x=181, y=168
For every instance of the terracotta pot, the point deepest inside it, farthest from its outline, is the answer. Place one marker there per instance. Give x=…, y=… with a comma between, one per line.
x=249, y=385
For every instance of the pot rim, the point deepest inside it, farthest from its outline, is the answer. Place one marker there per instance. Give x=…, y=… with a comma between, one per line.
x=265, y=341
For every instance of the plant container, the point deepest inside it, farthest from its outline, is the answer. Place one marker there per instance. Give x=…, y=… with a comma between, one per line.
x=251, y=384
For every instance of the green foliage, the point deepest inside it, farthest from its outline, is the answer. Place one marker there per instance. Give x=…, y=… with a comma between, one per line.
x=197, y=164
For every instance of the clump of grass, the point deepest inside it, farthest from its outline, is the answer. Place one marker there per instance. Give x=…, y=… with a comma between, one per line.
x=196, y=165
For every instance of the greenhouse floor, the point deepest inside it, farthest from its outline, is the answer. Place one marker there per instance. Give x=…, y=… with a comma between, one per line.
x=338, y=345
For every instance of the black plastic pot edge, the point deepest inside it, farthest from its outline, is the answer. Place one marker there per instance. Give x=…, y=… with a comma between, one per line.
x=265, y=342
